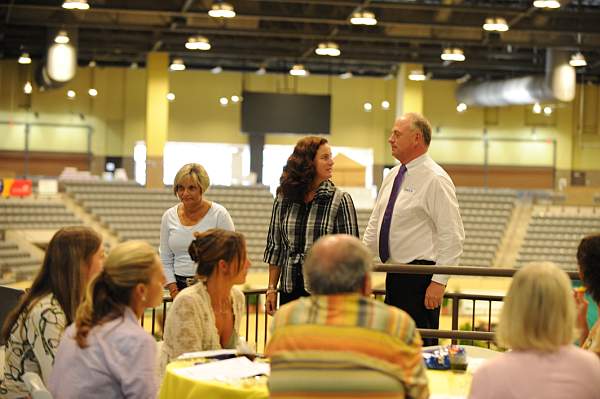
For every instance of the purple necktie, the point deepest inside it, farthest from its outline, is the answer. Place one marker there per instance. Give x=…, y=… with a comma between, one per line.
x=384, y=233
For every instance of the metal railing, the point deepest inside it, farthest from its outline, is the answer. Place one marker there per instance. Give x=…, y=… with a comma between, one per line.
x=256, y=324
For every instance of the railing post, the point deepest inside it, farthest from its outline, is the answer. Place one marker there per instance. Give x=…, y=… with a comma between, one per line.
x=455, y=303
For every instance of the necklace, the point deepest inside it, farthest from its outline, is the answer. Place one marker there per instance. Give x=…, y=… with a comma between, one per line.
x=195, y=215
x=222, y=307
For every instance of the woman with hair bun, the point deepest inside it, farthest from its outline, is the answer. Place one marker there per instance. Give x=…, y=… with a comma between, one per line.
x=207, y=315
x=307, y=206
x=106, y=353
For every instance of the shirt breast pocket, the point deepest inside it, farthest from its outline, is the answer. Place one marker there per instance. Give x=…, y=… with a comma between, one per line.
x=408, y=206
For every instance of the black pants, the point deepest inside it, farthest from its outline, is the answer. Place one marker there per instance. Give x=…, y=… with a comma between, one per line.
x=182, y=281
x=297, y=292
x=407, y=292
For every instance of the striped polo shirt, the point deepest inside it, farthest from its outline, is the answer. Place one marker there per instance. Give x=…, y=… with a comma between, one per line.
x=345, y=346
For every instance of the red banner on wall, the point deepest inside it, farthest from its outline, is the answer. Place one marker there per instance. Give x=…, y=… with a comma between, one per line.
x=16, y=187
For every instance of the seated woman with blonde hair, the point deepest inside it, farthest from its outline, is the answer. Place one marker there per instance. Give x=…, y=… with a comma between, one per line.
x=106, y=353
x=538, y=324
x=207, y=315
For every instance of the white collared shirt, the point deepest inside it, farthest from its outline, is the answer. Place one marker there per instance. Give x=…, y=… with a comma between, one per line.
x=426, y=222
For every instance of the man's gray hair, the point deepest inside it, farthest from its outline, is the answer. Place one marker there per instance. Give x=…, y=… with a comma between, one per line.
x=418, y=122
x=337, y=264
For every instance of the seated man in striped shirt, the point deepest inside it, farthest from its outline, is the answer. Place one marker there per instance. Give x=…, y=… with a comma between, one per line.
x=339, y=342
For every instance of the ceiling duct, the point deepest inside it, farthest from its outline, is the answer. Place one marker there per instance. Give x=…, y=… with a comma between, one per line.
x=557, y=85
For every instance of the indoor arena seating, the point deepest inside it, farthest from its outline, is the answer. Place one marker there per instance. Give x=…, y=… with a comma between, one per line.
x=485, y=214
x=16, y=263
x=35, y=214
x=134, y=212
x=26, y=214
x=554, y=233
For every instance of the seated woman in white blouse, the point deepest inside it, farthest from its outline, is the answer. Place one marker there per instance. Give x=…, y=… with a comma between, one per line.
x=106, y=353
x=537, y=323
x=207, y=315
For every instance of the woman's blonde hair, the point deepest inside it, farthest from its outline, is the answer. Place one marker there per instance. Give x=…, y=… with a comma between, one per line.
x=109, y=293
x=539, y=309
x=196, y=172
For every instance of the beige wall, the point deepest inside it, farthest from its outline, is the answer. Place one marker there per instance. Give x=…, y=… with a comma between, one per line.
x=516, y=122
x=117, y=116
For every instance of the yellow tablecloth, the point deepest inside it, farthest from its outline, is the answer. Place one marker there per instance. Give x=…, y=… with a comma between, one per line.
x=176, y=386
x=449, y=383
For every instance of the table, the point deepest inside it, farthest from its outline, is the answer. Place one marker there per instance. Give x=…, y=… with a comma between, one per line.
x=179, y=386
x=442, y=384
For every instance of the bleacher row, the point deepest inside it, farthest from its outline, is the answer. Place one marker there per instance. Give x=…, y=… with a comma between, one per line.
x=553, y=234
x=131, y=211
x=16, y=264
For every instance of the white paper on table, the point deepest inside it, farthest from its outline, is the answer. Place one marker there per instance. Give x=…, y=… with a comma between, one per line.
x=217, y=352
x=229, y=369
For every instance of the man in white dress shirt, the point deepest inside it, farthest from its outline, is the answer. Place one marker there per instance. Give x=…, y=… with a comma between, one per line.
x=416, y=220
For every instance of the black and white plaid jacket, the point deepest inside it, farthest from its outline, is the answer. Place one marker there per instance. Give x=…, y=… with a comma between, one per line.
x=296, y=226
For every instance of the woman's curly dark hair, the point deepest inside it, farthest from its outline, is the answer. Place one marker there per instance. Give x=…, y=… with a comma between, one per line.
x=299, y=171
x=588, y=258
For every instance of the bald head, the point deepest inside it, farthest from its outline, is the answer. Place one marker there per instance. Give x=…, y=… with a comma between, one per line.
x=337, y=264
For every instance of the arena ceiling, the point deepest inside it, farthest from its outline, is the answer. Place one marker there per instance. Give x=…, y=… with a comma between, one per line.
x=275, y=34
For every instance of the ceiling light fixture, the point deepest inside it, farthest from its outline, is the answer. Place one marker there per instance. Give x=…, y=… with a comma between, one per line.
x=62, y=37
x=363, y=18
x=385, y=105
x=197, y=43
x=546, y=4
x=298, y=70
x=27, y=88
x=497, y=24
x=171, y=96
x=221, y=9
x=346, y=75
x=76, y=5
x=462, y=107
x=92, y=92
x=417, y=75
x=216, y=70
x=537, y=108
x=25, y=59
x=330, y=48
x=223, y=101
x=578, y=60
x=71, y=94
x=547, y=110
x=368, y=107
x=453, y=54
x=177, y=65
x=235, y=99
